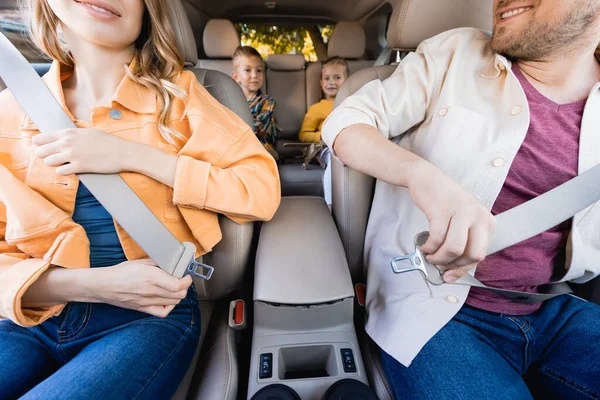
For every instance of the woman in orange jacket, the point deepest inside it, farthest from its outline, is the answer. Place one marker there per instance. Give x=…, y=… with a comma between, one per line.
x=122, y=328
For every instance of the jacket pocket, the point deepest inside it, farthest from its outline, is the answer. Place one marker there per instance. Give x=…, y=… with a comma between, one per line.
x=15, y=152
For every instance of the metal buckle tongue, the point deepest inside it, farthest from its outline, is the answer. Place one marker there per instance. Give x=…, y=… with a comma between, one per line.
x=193, y=266
x=417, y=262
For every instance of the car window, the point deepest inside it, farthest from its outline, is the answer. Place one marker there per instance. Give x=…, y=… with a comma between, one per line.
x=13, y=26
x=281, y=39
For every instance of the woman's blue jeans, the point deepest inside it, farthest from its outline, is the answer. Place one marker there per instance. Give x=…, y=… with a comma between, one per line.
x=98, y=351
x=551, y=354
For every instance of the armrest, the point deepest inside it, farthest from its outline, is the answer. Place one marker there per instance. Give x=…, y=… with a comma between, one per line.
x=300, y=258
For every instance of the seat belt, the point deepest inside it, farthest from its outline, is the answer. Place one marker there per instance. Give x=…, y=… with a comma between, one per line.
x=174, y=257
x=514, y=226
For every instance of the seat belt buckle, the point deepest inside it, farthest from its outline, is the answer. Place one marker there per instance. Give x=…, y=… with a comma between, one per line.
x=417, y=261
x=194, y=268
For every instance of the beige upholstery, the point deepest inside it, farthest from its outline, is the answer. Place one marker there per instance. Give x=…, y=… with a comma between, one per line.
x=206, y=312
x=183, y=32
x=352, y=190
x=230, y=256
x=286, y=83
x=416, y=20
x=348, y=41
x=412, y=21
x=217, y=375
x=297, y=181
x=220, y=39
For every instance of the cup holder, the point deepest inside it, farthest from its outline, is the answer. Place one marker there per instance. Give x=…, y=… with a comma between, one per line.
x=349, y=389
x=276, y=392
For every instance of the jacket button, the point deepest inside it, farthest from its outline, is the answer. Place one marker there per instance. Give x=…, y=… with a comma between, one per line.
x=452, y=299
x=516, y=110
x=115, y=114
x=443, y=112
x=498, y=162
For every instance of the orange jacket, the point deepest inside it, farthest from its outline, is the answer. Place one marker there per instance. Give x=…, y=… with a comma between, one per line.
x=222, y=168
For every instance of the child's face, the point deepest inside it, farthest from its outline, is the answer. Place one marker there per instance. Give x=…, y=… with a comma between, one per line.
x=332, y=78
x=249, y=73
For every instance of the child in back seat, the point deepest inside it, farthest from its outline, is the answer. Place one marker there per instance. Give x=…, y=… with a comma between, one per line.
x=249, y=73
x=334, y=73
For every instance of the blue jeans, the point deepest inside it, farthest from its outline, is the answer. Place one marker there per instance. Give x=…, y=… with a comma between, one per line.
x=98, y=351
x=551, y=354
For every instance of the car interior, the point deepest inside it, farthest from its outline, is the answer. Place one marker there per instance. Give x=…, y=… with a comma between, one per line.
x=285, y=306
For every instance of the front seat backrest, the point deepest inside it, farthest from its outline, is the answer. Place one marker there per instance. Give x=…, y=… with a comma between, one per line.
x=230, y=255
x=410, y=24
x=348, y=41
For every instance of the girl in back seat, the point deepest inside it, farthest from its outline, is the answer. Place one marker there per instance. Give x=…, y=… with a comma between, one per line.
x=122, y=328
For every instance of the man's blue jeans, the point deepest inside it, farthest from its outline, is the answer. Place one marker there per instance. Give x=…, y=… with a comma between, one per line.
x=551, y=354
x=98, y=351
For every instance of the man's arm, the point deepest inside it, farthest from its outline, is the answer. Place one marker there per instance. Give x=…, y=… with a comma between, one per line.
x=359, y=130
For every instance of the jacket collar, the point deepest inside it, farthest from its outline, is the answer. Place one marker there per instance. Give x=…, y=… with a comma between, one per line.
x=128, y=94
x=499, y=63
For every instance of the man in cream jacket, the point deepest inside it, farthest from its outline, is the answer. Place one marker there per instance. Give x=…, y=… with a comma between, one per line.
x=467, y=127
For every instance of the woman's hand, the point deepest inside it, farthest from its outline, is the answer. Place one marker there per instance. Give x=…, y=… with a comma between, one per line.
x=140, y=285
x=78, y=150
x=460, y=227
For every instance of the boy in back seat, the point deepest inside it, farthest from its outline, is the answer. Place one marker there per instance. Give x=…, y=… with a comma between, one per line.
x=249, y=73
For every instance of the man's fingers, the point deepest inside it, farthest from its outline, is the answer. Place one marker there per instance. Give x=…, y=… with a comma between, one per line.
x=438, y=226
x=452, y=275
x=476, y=249
x=454, y=243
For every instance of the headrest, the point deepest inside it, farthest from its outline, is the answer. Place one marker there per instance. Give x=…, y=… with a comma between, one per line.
x=286, y=62
x=414, y=21
x=183, y=32
x=348, y=40
x=220, y=38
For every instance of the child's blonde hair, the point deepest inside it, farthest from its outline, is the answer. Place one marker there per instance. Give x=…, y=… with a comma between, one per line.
x=245, y=51
x=337, y=61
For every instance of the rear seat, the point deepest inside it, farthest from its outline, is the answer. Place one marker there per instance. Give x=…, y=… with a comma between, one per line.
x=294, y=85
x=348, y=41
x=220, y=39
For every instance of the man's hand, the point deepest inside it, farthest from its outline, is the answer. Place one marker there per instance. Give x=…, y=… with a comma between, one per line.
x=460, y=228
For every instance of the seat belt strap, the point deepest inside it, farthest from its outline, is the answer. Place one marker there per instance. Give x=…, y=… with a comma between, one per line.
x=110, y=190
x=514, y=226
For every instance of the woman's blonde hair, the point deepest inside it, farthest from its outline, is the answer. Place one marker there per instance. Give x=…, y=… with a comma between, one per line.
x=156, y=65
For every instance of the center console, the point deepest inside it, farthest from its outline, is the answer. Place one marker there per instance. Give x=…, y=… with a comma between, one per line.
x=304, y=336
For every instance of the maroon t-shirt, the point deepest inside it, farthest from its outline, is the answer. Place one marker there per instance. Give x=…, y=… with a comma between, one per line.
x=547, y=158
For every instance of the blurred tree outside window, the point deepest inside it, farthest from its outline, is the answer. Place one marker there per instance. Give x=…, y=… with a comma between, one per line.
x=272, y=39
x=13, y=26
